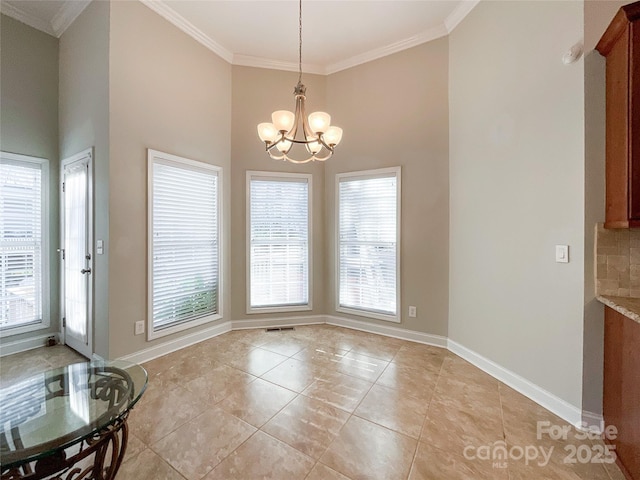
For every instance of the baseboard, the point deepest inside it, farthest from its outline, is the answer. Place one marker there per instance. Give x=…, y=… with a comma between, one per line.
x=25, y=344
x=388, y=331
x=178, y=343
x=277, y=322
x=542, y=397
x=593, y=421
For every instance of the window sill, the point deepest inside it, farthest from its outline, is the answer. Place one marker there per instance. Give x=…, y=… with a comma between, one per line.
x=369, y=314
x=155, y=334
x=32, y=327
x=283, y=309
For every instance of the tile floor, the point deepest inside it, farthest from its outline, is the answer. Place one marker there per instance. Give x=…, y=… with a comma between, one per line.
x=329, y=403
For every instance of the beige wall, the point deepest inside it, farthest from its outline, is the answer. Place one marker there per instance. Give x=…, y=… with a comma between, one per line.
x=29, y=124
x=257, y=92
x=84, y=123
x=394, y=112
x=597, y=16
x=517, y=189
x=169, y=93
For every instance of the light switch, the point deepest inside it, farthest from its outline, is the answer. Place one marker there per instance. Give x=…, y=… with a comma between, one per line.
x=562, y=253
x=99, y=247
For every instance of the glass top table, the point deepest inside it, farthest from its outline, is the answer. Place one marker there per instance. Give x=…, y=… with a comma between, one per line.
x=52, y=420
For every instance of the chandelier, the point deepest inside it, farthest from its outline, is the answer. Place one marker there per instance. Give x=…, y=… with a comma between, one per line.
x=288, y=129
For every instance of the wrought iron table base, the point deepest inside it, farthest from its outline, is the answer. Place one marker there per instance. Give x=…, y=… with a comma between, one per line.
x=107, y=446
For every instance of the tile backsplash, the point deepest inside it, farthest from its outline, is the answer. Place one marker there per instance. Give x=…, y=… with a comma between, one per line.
x=617, y=262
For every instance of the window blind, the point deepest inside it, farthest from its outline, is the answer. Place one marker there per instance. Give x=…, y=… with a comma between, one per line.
x=185, y=243
x=21, y=244
x=368, y=242
x=279, y=241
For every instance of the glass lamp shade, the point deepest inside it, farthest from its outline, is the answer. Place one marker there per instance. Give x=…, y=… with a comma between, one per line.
x=284, y=146
x=333, y=135
x=283, y=120
x=319, y=122
x=314, y=147
x=267, y=132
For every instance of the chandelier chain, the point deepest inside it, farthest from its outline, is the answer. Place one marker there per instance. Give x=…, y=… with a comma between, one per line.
x=300, y=42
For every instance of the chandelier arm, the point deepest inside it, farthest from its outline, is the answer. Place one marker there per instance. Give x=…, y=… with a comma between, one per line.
x=312, y=158
x=321, y=140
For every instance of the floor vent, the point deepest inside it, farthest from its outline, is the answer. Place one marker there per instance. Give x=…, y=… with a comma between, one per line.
x=279, y=329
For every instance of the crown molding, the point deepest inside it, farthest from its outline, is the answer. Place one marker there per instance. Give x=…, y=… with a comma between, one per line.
x=459, y=13
x=258, y=62
x=24, y=17
x=187, y=27
x=69, y=11
x=431, y=34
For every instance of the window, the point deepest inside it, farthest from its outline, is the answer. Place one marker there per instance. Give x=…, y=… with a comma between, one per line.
x=24, y=231
x=184, y=243
x=279, y=232
x=368, y=213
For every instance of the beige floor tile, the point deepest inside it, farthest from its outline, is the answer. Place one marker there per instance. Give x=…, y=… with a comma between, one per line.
x=218, y=383
x=254, y=336
x=134, y=447
x=263, y=457
x=322, y=472
x=160, y=412
x=308, y=425
x=296, y=375
x=227, y=351
x=160, y=364
x=366, y=450
x=393, y=409
x=553, y=471
x=187, y=369
x=431, y=463
x=380, y=349
x=147, y=466
x=257, y=361
x=361, y=366
x=287, y=346
x=478, y=400
x=420, y=356
x=452, y=429
x=256, y=402
x=416, y=382
x=458, y=368
x=342, y=391
x=198, y=446
x=321, y=356
x=61, y=355
x=21, y=366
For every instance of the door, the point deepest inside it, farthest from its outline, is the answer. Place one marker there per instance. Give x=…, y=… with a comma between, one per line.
x=77, y=254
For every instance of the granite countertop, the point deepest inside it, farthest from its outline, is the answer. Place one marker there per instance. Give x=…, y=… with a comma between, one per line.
x=629, y=307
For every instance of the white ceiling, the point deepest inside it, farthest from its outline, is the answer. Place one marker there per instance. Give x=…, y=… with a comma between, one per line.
x=337, y=34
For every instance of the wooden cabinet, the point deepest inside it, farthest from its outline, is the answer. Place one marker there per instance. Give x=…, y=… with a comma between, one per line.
x=620, y=44
x=621, y=403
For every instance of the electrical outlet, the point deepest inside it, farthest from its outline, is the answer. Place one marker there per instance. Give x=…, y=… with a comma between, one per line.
x=139, y=327
x=412, y=312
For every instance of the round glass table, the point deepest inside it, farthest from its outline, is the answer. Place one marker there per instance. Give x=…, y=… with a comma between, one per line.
x=70, y=422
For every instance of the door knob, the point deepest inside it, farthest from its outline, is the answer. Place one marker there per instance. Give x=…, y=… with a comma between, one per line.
x=83, y=271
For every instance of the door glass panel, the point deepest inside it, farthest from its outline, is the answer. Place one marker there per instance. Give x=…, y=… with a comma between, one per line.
x=75, y=234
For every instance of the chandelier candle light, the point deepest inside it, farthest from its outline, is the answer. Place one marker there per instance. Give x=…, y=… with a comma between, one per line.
x=316, y=133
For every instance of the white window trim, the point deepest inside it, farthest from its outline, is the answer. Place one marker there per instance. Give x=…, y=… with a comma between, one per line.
x=275, y=176
x=46, y=268
x=168, y=159
x=364, y=175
